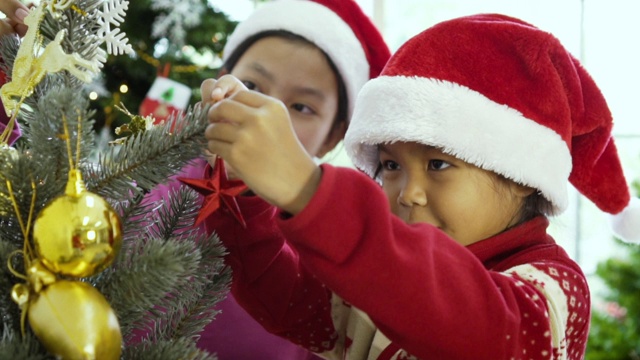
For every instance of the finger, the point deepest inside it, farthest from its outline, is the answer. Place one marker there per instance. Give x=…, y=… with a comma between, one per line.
x=226, y=86
x=231, y=111
x=21, y=29
x=221, y=132
x=219, y=147
x=6, y=28
x=209, y=155
x=206, y=88
x=220, y=139
x=14, y=10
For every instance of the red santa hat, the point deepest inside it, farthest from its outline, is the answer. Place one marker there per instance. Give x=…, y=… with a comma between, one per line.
x=338, y=27
x=507, y=97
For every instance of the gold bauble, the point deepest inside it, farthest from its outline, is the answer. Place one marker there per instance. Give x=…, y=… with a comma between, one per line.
x=74, y=321
x=77, y=234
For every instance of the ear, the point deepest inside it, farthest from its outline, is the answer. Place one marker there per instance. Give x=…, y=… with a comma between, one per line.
x=333, y=138
x=521, y=190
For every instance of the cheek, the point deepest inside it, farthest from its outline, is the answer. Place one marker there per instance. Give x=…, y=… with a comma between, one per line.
x=311, y=134
x=392, y=198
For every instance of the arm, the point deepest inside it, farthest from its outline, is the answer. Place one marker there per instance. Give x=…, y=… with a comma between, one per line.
x=430, y=295
x=269, y=281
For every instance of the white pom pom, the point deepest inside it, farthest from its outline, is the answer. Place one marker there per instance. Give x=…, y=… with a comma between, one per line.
x=626, y=224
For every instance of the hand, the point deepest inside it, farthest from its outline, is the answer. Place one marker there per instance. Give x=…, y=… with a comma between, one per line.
x=15, y=12
x=253, y=133
x=212, y=91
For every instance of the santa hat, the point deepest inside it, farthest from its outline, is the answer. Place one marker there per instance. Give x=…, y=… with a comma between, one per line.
x=505, y=96
x=337, y=27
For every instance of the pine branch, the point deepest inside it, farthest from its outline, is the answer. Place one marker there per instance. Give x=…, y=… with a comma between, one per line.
x=191, y=307
x=14, y=347
x=173, y=278
x=182, y=206
x=213, y=283
x=169, y=350
x=144, y=274
x=9, y=310
x=135, y=215
x=20, y=170
x=149, y=158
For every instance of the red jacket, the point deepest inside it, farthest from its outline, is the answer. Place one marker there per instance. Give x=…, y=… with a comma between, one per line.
x=409, y=290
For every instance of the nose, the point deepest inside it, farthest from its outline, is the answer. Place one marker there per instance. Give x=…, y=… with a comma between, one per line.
x=413, y=193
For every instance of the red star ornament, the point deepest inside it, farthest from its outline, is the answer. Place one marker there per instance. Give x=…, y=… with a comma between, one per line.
x=215, y=189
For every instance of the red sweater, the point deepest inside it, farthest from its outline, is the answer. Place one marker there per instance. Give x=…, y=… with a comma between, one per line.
x=409, y=290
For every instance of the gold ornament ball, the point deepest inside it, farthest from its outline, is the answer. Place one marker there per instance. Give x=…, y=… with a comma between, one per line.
x=74, y=321
x=78, y=234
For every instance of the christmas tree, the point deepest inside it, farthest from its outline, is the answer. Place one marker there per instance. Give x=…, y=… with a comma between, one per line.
x=615, y=324
x=178, y=39
x=90, y=270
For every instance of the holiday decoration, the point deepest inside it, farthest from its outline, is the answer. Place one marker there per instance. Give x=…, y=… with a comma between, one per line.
x=88, y=259
x=90, y=331
x=138, y=124
x=215, y=189
x=112, y=14
x=177, y=40
x=78, y=234
x=166, y=97
x=33, y=62
x=176, y=19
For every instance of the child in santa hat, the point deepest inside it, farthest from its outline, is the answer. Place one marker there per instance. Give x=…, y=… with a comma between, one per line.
x=314, y=56
x=473, y=131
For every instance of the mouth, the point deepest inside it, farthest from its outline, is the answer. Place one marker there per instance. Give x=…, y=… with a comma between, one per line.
x=418, y=219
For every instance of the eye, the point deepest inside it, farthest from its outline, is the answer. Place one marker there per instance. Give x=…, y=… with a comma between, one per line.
x=389, y=165
x=302, y=108
x=438, y=165
x=250, y=85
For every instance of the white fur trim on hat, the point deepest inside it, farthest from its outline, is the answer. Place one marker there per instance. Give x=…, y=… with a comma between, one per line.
x=317, y=24
x=626, y=224
x=463, y=123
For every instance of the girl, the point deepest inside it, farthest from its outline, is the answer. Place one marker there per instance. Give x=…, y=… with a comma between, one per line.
x=473, y=129
x=313, y=56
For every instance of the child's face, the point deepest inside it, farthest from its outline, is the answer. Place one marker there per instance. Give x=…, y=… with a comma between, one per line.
x=424, y=185
x=299, y=75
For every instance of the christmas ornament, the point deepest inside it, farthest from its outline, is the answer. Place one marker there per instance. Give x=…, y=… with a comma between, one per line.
x=71, y=318
x=77, y=234
x=33, y=62
x=215, y=189
x=74, y=321
x=165, y=97
x=89, y=331
x=178, y=17
x=138, y=124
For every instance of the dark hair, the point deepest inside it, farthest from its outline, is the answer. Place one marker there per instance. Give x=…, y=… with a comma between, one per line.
x=343, y=102
x=535, y=205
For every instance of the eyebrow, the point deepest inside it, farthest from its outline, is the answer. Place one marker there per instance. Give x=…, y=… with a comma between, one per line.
x=320, y=95
x=311, y=92
x=262, y=71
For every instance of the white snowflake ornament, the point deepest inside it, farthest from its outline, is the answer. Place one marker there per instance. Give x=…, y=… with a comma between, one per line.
x=108, y=20
x=180, y=15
